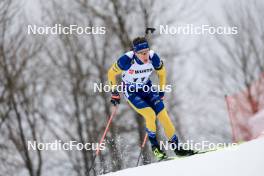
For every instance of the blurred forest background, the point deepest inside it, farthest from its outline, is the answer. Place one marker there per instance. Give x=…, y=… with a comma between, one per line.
x=46, y=81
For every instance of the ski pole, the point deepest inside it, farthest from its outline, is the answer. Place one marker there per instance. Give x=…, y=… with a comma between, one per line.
x=142, y=146
x=149, y=29
x=104, y=134
x=106, y=128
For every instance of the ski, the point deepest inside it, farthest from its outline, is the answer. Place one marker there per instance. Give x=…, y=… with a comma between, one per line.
x=181, y=157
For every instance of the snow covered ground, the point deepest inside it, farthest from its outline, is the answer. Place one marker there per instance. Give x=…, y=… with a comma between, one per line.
x=247, y=159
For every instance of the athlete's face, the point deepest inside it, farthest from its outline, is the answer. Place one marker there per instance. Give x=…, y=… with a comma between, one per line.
x=143, y=55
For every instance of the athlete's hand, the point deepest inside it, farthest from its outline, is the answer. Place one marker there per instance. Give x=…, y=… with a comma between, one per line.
x=161, y=94
x=115, y=98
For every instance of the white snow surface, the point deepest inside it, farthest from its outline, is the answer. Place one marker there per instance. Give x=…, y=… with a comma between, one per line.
x=247, y=159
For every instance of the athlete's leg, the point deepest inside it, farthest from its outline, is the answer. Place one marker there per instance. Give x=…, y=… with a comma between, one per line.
x=168, y=126
x=148, y=114
x=141, y=107
x=158, y=106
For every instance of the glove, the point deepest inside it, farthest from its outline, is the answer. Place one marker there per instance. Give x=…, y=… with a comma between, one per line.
x=161, y=94
x=115, y=98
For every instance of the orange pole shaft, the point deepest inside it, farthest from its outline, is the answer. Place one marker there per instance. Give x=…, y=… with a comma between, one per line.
x=106, y=129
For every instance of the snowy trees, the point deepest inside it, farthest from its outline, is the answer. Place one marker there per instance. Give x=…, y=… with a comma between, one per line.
x=46, y=85
x=19, y=87
x=237, y=67
x=46, y=81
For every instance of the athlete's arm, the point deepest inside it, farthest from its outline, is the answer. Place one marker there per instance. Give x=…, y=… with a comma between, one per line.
x=122, y=64
x=160, y=69
x=112, y=73
x=162, y=76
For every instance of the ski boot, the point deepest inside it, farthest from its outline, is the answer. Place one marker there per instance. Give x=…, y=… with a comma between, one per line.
x=182, y=152
x=179, y=151
x=159, y=154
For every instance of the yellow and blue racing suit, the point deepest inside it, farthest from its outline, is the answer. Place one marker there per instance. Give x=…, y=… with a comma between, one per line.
x=144, y=100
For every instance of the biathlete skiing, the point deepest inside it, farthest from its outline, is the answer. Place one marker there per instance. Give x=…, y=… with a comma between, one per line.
x=135, y=68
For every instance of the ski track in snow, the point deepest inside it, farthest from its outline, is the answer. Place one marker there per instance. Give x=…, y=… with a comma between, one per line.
x=246, y=159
